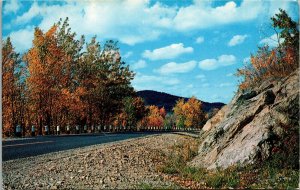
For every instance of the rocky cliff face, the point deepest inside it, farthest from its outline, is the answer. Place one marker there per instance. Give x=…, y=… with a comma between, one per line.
x=251, y=125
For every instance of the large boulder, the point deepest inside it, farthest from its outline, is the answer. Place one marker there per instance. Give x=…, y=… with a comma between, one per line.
x=248, y=128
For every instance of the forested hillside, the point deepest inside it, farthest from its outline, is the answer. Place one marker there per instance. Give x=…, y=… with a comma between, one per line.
x=168, y=101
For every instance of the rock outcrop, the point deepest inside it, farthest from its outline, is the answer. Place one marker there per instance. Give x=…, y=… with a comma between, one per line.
x=247, y=129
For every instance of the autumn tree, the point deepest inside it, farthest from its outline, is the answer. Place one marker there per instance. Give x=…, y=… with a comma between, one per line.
x=188, y=114
x=13, y=89
x=277, y=62
x=133, y=111
x=87, y=71
x=71, y=107
x=46, y=77
x=117, y=81
x=194, y=113
x=67, y=84
x=154, y=118
x=105, y=80
x=179, y=113
x=169, y=121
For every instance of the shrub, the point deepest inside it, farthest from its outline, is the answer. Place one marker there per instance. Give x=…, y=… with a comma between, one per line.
x=277, y=62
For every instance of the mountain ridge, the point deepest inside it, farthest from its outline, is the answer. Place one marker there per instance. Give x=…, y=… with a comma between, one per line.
x=168, y=101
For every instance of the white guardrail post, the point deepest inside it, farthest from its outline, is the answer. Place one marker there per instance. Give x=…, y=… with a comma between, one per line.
x=68, y=129
x=33, y=130
x=57, y=130
x=46, y=130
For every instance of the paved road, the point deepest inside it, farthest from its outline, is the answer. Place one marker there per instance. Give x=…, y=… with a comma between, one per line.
x=14, y=149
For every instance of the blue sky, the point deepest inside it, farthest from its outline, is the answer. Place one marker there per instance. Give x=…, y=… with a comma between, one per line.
x=182, y=47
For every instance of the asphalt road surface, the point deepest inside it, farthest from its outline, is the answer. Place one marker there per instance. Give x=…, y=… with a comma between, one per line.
x=20, y=148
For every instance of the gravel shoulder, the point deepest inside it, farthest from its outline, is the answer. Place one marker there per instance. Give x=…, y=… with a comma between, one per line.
x=123, y=164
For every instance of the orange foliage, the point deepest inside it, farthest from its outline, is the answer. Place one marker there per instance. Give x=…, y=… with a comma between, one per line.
x=268, y=64
x=189, y=114
x=275, y=63
x=155, y=117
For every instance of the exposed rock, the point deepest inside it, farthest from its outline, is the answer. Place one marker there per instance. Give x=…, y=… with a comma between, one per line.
x=248, y=127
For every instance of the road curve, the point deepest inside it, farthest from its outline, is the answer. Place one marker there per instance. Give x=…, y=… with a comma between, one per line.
x=14, y=149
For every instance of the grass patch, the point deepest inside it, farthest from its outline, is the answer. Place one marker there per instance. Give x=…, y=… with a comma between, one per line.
x=267, y=174
x=145, y=186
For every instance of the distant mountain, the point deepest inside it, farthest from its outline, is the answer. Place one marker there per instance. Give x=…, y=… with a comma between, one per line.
x=168, y=101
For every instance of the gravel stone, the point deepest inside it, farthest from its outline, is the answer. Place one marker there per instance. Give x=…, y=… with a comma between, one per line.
x=118, y=165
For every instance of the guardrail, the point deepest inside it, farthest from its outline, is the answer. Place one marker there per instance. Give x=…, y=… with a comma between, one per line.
x=67, y=130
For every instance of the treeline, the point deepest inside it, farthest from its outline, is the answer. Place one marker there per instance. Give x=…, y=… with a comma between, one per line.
x=274, y=63
x=59, y=82
x=66, y=82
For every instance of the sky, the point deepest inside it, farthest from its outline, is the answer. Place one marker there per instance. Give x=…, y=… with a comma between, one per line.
x=182, y=47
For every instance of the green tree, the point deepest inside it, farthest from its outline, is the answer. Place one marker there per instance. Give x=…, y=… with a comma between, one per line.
x=288, y=29
x=275, y=63
x=133, y=111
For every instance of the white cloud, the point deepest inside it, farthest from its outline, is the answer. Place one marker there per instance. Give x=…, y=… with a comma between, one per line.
x=22, y=39
x=229, y=75
x=208, y=64
x=132, y=21
x=208, y=16
x=200, y=76
x=200, y=40
x=11, y=6
x=237, y=39
x=139, y=21
x=34, y=11
x=167, y=52
x=128, y=54
x=205, y=85
x=226, y=60
x=246, y=60
x=190, y=86
x=173, y=67
x=221, y=61
x=226, y=84
x=160, y=83
x=171, y=81
x=271, y=41
x=216, y=98
x=139, y=65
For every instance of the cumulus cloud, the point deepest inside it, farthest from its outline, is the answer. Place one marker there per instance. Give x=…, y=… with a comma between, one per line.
x=271, y=41
x=200, y=40
x=237, y=39
x=190, y=86
x=173, y=67
x=221, y=61
x=167, y=52
x=246, y=60
x=139, y=21
x=34, y=11
x=146, y=82
x=208, y=16
x=229, y=75
x=226, y=84
x=139, y=65
x=22, y=39
x=132, y=21
x=205, y=85
x=11, y=6
x=128, y=54
x=201, y=77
